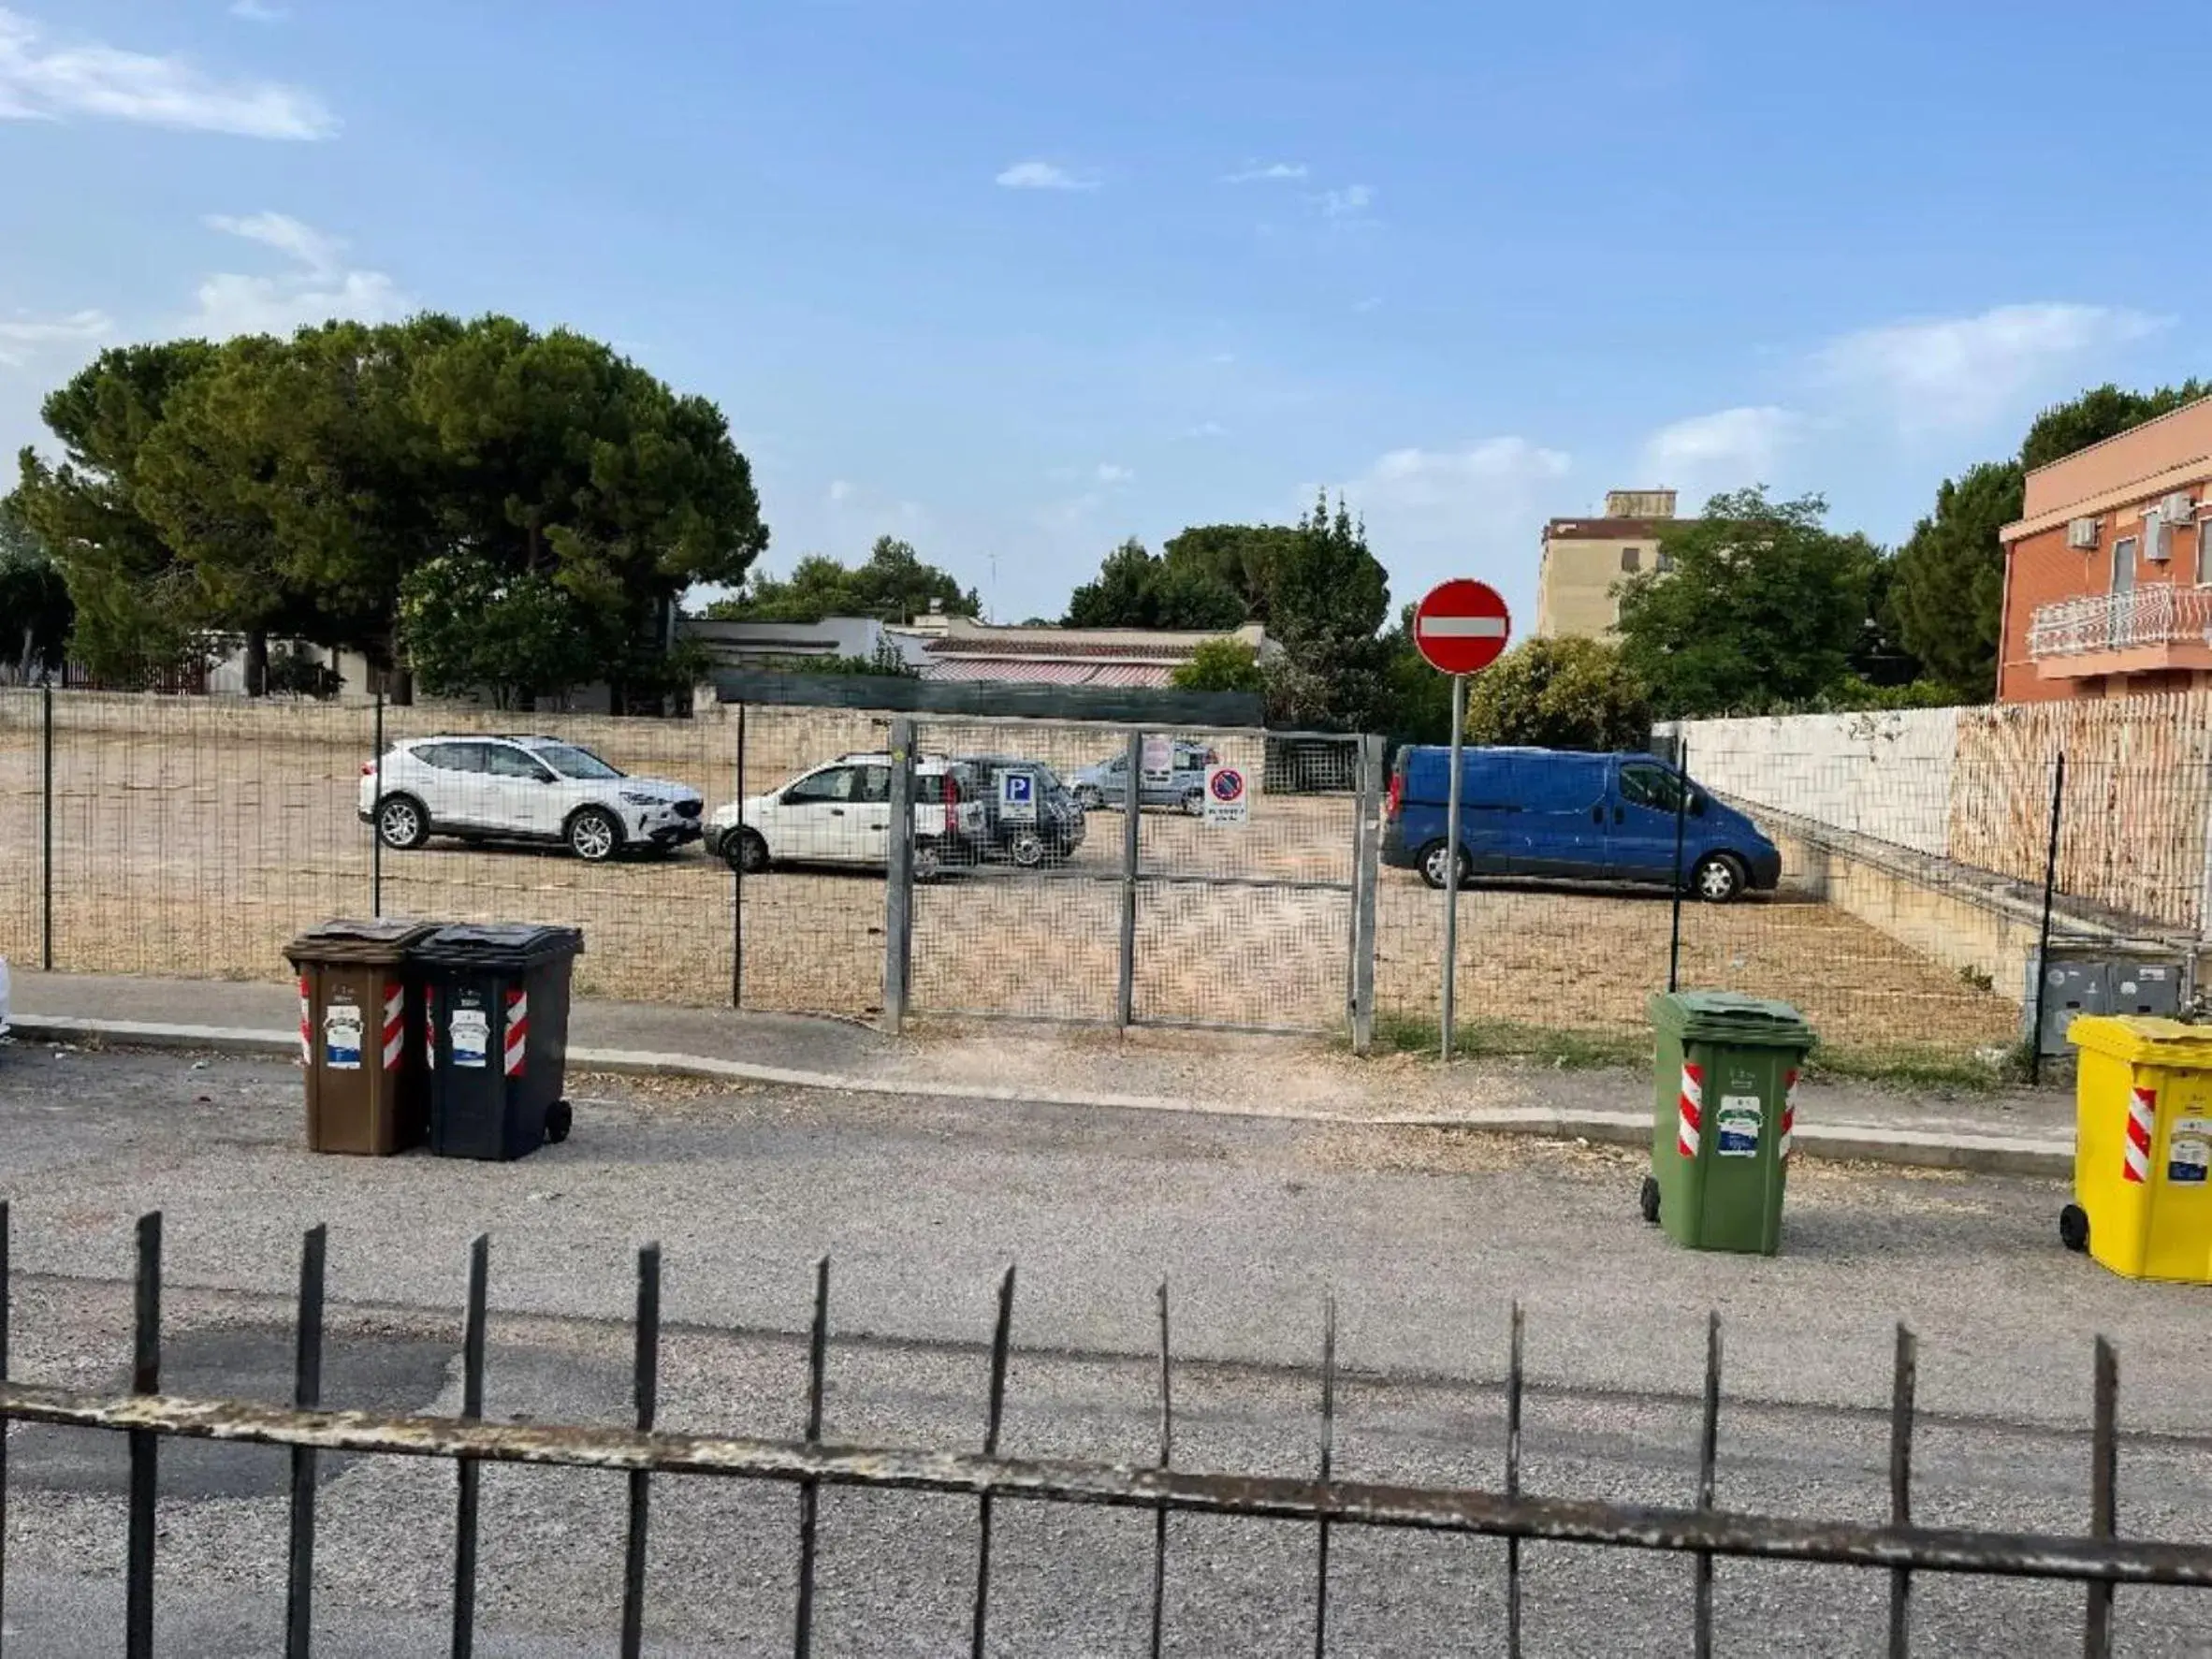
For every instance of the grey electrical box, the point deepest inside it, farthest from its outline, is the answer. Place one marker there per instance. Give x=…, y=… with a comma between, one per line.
x=2122, y=985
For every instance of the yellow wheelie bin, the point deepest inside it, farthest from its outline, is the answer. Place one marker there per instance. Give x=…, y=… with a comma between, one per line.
x=2143, y=1147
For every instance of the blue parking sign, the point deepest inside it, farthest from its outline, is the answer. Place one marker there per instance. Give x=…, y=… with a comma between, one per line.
x=1017, y=797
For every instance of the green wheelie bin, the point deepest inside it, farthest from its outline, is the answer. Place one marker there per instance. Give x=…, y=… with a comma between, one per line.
x=1723, y=1110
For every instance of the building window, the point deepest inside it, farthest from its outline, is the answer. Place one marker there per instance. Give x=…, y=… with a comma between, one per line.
x=1665, y=560
x=1630, y=557
x=2123, y=564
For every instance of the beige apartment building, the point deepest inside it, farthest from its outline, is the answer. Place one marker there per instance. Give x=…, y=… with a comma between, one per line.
x=1583, y=557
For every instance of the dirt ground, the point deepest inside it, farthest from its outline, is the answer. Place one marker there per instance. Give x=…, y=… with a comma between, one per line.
x=183, y=850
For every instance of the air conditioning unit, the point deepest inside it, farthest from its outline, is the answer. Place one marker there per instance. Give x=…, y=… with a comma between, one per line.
x=2082, y=533
x=2178, y=508
x=2156, y=545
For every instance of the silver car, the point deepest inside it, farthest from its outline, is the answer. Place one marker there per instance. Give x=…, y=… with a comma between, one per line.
x=1179, y=780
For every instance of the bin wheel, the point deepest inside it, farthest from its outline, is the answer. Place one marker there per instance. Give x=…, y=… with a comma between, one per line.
x=2074, y=1228
x=1647, y=1199
x=559, y=1119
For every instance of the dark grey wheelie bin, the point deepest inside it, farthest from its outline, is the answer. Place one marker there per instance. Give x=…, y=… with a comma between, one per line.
x=496, y=1007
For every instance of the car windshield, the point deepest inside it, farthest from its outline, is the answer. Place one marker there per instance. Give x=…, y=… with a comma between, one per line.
x=572, y=762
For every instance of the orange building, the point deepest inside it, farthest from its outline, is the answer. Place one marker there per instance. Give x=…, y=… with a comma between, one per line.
x=2108, y=574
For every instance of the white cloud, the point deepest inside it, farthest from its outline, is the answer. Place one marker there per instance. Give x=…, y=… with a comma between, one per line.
x=1963, y=372
x=44, y=82
x=1351, y=201
x=839, y=490
x=1111, y=474
x=1726, y=449
x=1363, y=306
x=1207, y=428
x=1256, y=173
x=21, y=335
x=320, y=288
x=259, y=11
x=286, y=235
x=1472, y=510
x=1043, y=175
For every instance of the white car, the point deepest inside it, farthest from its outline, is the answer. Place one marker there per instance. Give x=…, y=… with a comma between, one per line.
x=521, y=789
x=841, y=813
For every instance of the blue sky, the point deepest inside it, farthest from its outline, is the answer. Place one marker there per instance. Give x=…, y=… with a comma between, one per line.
x=1016, y=280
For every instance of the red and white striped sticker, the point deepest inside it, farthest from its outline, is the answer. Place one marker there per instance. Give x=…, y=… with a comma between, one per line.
x=395, y=1027
x=307, y=1027
x=1789, y=1112
x=517, y=1031
x=2143, y=1113
x=429, y=1025
x=1690, y=1111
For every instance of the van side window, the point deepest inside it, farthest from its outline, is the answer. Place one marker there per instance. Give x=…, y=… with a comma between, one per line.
x=1646, y=785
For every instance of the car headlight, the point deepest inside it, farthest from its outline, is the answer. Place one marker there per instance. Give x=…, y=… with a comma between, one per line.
x=630, y=798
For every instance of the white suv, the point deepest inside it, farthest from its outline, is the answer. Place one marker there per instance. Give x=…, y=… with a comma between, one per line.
x=521, y=789
x=841, y=813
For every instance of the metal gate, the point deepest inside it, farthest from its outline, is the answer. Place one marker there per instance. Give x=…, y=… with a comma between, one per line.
x=1239, y=895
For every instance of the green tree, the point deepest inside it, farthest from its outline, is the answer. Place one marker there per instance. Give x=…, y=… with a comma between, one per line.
x=469, y=625
x=1241, y=557
x=1558, y=693
x=1949, y=589
x=35, y=609
x=1219, y=666
x=2099, y=412
x=1328, y=598
x=893, y=584
x=1138, y=589
x=1764, y=607
x=137, y=611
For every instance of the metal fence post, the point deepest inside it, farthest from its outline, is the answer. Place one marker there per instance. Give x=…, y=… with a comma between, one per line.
x=737, y=879
x=1133, y=805
x=898, y=886
x=1681, y=807
x=375, y=831
x=46, y=828
x=1367, y=857
x=2042, y=949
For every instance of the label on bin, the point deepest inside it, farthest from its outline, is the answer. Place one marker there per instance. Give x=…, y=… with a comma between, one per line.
x=2187, y=1162
x=1738, y=1125
x=469, y=1032
x=341, y=1037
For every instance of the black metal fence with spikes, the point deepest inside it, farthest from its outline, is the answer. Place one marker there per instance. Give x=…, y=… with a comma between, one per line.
x=2099, y=1560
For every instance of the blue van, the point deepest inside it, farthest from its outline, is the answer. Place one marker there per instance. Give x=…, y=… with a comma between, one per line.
x=1570, y=815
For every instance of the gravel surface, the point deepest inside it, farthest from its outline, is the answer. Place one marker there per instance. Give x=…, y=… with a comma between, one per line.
x=1423, y=1237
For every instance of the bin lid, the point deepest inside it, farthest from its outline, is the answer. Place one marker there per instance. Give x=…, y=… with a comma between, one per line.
x=383, y=940
x=1730, y=1016
x=2144, y=1039
x=497, y=944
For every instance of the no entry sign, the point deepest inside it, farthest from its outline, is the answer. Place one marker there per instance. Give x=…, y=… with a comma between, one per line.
x=1461, y=626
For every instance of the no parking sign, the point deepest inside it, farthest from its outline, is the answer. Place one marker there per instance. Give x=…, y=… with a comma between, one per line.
x=1228, y=801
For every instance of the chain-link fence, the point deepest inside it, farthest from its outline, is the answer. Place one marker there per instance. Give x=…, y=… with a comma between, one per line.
x=1887, y=874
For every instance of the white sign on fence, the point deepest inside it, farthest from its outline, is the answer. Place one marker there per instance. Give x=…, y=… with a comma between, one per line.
x=1017, y=797
x=1227, y=800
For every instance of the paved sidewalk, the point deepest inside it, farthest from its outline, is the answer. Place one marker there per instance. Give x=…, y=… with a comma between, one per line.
x=2019, y=1131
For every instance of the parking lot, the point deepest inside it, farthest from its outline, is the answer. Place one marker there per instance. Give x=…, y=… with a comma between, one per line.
x=1423, y=1238
x=196, y=845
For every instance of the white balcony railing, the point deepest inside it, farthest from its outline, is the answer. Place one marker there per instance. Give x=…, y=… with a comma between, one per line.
x=2161, y=613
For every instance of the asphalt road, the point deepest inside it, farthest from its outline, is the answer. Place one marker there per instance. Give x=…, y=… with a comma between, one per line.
x=1424, y=1240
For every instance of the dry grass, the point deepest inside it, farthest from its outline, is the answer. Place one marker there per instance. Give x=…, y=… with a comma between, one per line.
x=197, y=846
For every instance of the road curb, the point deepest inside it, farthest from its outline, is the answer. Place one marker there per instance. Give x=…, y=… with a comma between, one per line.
x=1988, y=1155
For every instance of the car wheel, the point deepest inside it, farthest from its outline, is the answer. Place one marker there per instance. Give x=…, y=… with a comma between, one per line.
x=1647, y=1199
x=1433, y=862
x=593, y=836
x=746, y=852
x=1718, y=878
x=1026, y=848
x=929, y=862
x=401, y=823
x=2074, y=1228
x=1194, y=802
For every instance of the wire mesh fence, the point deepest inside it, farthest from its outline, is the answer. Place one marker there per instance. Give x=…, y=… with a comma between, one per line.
x=1332, y=1550
x=1887, y=875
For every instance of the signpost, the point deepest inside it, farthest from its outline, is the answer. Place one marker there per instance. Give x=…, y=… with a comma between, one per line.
x=1461, y=628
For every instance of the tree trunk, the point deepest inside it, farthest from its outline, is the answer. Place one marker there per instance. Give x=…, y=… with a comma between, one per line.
x=258, y=662
x=399, y=678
